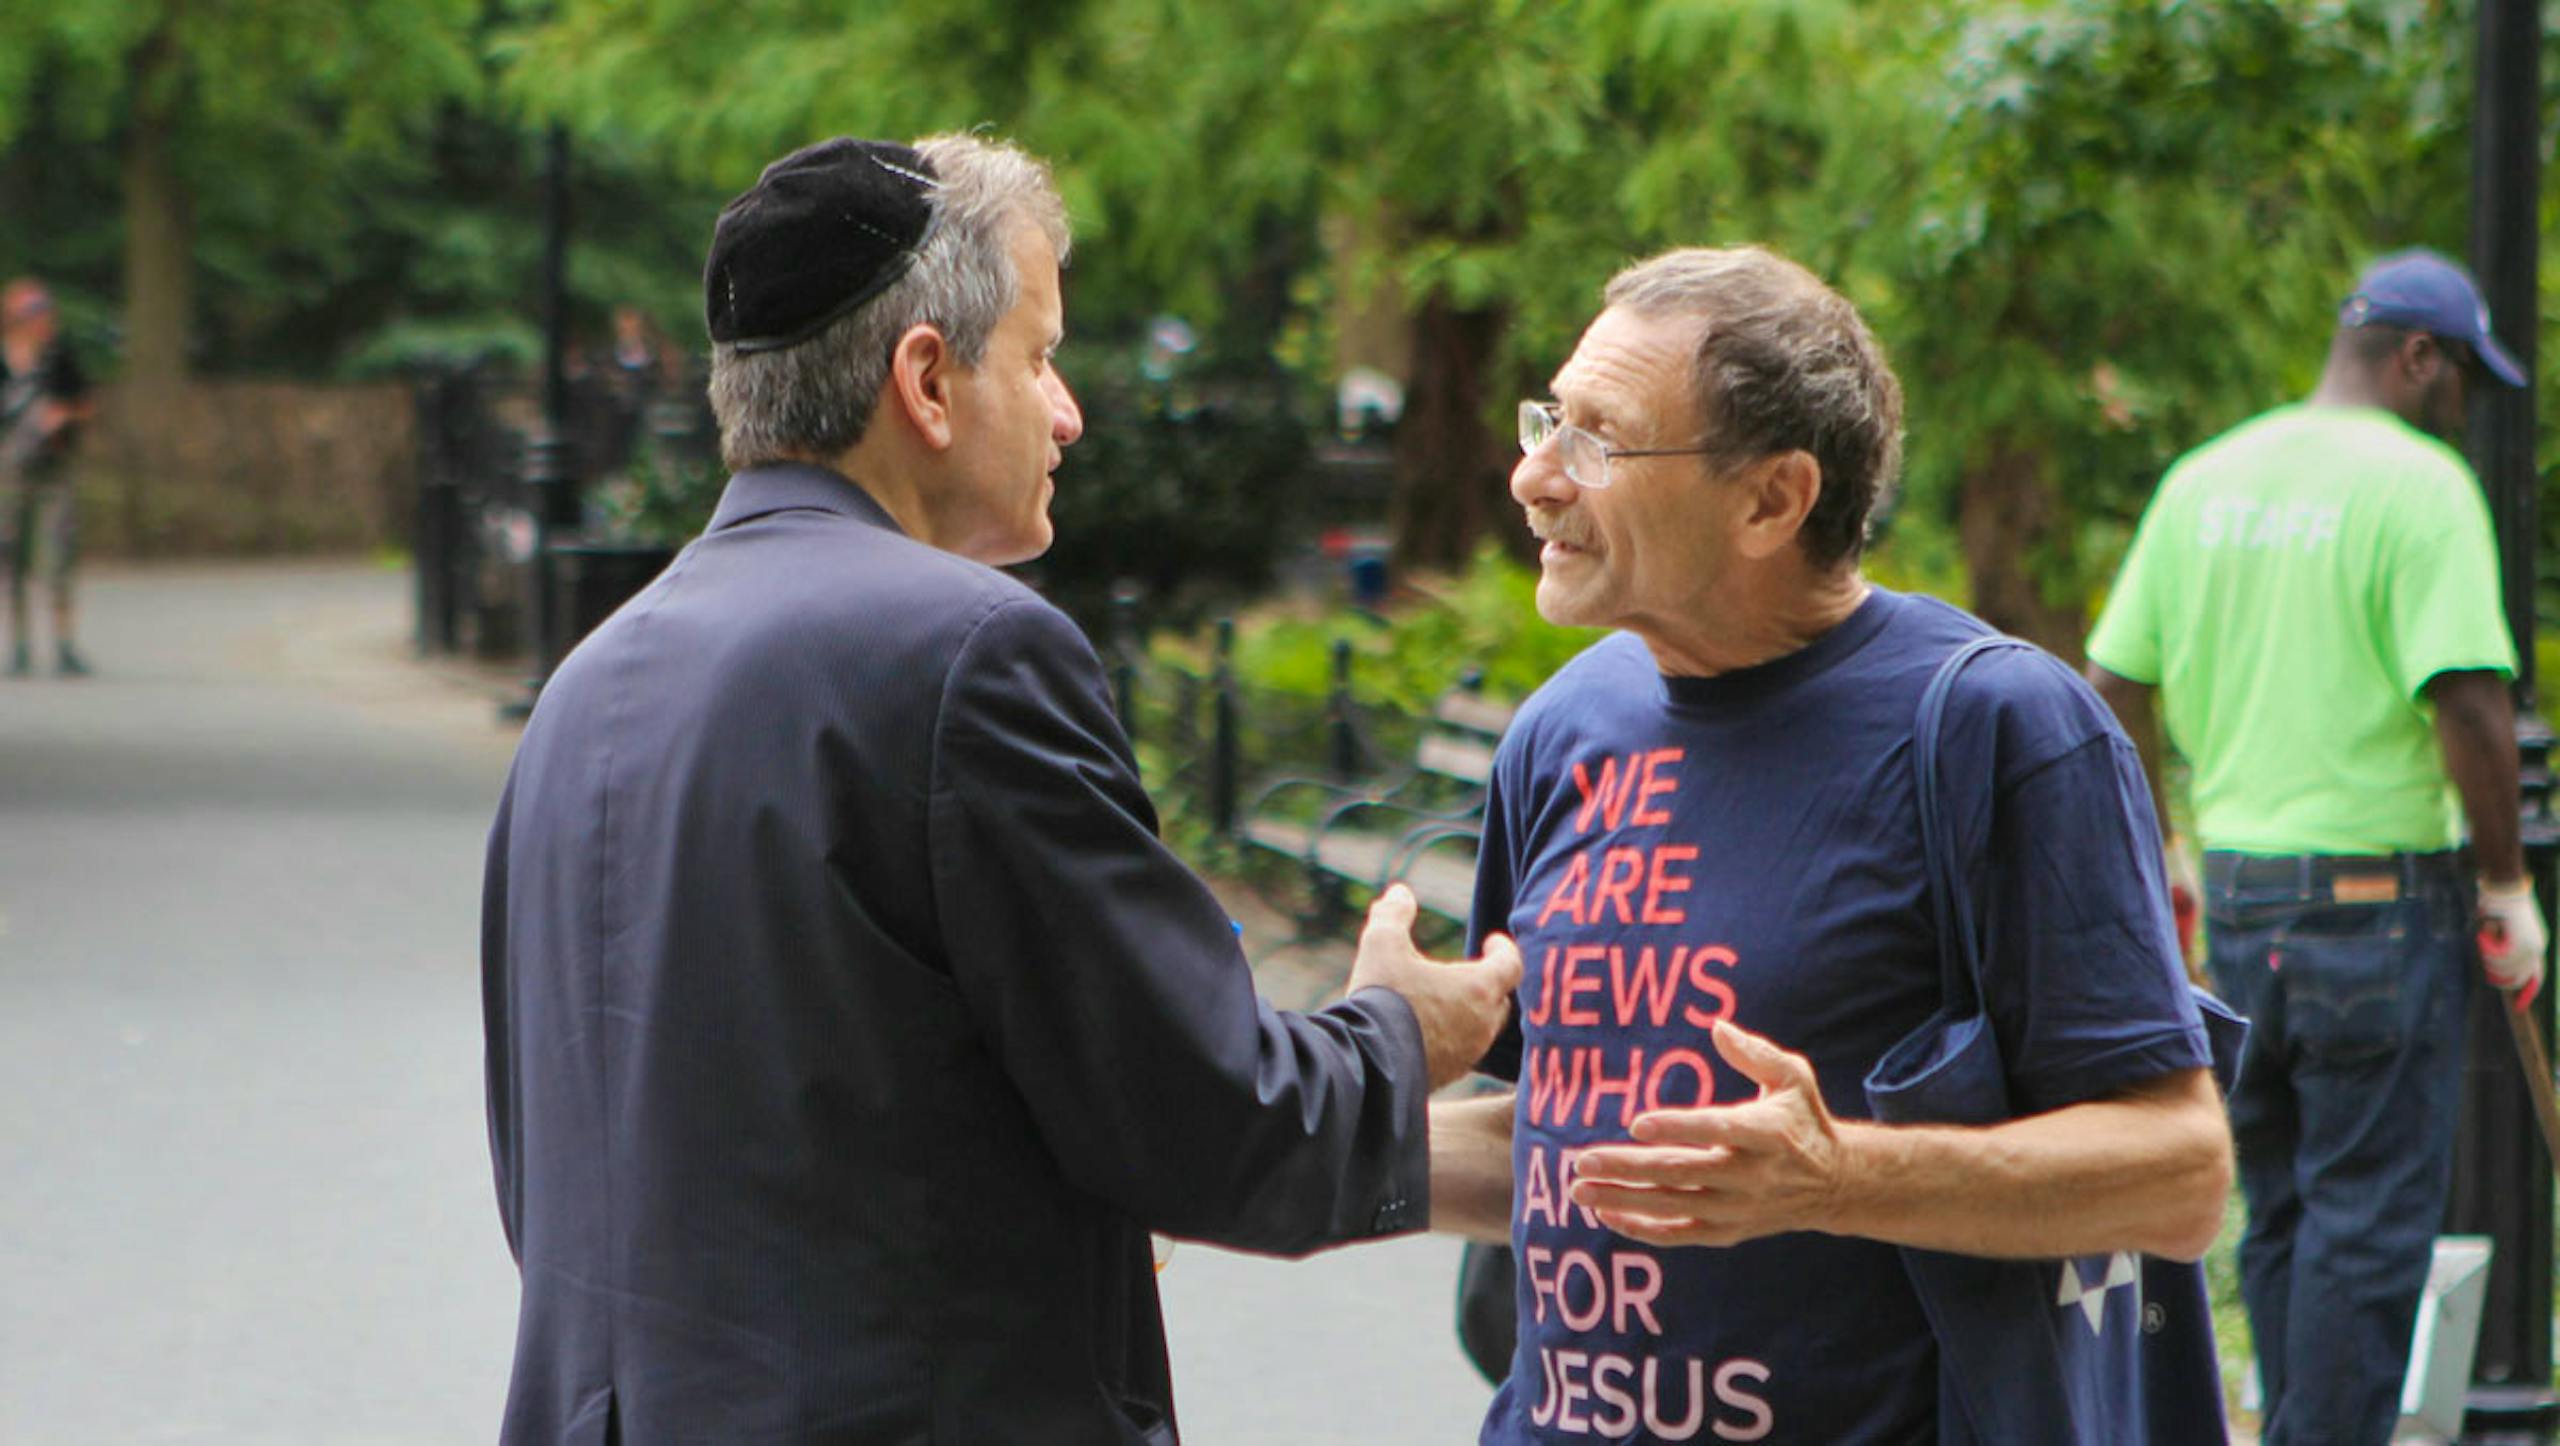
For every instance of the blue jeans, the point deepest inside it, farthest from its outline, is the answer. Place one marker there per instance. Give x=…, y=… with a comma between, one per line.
x=2344, y=1116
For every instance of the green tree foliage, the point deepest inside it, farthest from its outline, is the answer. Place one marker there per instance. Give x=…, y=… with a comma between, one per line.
x=337, y=187
x=244, y=133
x=2130, y=227
x=1503, y=157
x=1463, y=135
x=1483, y=618
x=1178, y=496
x=2091, y=232
x=1500, y=160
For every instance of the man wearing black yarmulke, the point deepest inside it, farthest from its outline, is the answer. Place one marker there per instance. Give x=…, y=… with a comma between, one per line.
x=848, y=1027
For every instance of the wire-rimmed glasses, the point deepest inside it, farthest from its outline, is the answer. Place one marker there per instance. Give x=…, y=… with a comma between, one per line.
x=1585, y=458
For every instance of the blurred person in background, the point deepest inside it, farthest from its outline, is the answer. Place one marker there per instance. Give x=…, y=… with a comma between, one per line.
x=849, y=1028
x=636, y=368
x=2313, y=597
x=44, y=399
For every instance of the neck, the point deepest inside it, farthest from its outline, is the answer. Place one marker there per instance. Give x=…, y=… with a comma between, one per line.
x=2343, y=386
x=1759, y=619
x=890, y=474
x=2351, y=379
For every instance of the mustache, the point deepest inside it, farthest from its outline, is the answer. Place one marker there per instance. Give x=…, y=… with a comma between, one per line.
x=1564, y=527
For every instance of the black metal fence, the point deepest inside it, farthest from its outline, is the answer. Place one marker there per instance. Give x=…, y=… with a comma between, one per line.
x=494, y=479
x=1205, y=738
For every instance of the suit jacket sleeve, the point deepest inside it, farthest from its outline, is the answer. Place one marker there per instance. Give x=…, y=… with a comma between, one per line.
x=505, y=1138
x=1112, y=988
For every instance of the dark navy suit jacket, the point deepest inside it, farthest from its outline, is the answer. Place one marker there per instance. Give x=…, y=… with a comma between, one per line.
x=848, y=1027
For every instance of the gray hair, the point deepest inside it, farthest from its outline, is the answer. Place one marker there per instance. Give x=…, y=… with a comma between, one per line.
x=815, y=399
x=1785, y=364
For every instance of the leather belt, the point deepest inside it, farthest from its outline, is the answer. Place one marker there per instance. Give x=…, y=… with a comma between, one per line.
x=2345, y=878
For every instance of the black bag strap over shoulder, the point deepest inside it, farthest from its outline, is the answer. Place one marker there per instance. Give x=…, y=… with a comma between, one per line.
x=1959, y=940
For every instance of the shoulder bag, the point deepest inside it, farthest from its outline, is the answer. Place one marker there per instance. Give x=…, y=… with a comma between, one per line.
x=2106, y=1350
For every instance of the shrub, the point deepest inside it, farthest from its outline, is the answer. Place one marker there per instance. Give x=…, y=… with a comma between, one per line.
x=1482, y=624
x=1187, y=489
x=664, y=498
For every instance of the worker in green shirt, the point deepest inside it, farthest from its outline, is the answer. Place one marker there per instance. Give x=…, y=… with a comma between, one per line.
x=2313, y=596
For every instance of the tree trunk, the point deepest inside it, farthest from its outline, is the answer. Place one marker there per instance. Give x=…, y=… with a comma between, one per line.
x=2014, y=531
x=1451, y=471
x=159, y=259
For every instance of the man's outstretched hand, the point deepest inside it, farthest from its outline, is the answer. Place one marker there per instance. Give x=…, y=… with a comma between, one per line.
x=1723, y=1174
x=1460, y=1005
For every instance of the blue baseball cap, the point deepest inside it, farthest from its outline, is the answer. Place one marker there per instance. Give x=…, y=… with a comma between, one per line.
x=2423, y=291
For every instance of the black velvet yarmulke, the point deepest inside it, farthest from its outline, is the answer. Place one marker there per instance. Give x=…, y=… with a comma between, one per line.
x=822, y=231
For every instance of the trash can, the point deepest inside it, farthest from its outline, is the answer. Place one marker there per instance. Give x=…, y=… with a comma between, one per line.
x=595, y=578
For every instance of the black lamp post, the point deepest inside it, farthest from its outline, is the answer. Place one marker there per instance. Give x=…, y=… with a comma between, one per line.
x=2502, y=1182
x=550, y=456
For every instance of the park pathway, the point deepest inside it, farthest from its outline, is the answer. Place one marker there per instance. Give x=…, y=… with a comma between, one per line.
x=244, y=1192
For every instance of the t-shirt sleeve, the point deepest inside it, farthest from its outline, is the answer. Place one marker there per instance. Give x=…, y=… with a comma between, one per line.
x=2082, y=977
x=2440, y=603
x=1109, y=982
x=2126, y=641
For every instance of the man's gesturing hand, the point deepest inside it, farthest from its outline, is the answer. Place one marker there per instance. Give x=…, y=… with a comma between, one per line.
x=1460, y=1005
x=1723, y=1174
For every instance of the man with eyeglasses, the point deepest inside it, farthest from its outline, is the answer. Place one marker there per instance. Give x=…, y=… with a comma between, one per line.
x=1703, y=832
x=2314, y=597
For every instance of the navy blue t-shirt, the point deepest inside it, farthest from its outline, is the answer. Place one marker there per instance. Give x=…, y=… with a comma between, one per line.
x=1671, y=851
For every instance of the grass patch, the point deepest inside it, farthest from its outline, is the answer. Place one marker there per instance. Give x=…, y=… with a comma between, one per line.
x=2230, y=1317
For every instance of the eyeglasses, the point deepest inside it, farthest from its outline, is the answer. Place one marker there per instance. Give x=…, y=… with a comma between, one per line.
x=1584, y=456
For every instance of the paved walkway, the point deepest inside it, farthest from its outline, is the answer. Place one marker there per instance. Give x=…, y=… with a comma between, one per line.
x=243, y=1182
x=244, y=1191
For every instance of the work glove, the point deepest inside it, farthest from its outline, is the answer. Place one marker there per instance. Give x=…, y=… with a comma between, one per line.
x=2512, y=938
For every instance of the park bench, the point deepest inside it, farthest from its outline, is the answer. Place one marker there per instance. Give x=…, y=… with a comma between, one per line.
x=1419, y=828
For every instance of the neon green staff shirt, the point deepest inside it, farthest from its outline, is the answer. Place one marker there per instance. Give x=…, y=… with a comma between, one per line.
x=2291, y=589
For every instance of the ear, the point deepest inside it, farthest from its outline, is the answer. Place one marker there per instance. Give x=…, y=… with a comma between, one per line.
x=1779, y=493
x=920, y=376
x=2421, y=356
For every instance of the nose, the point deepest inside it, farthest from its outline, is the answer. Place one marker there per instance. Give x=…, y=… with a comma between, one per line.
x=1066, y=419
x=1539, y=477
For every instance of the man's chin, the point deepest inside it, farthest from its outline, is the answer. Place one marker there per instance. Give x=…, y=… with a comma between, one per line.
x=1561, y=605
x=1014, y=551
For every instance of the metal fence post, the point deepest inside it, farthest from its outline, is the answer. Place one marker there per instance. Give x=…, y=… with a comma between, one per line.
x=1342, y=740
x=1222, y=740
x=2502, y=1180
x=436, y=549
x=1343, y=735
x=550, y=454
x=1124, y=659
x=1186, y=717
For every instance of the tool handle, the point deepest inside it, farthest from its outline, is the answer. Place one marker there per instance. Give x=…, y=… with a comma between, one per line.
x=2536, y=1060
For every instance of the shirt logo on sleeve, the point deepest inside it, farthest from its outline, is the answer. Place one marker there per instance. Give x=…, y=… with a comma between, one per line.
x=2120, y=1269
